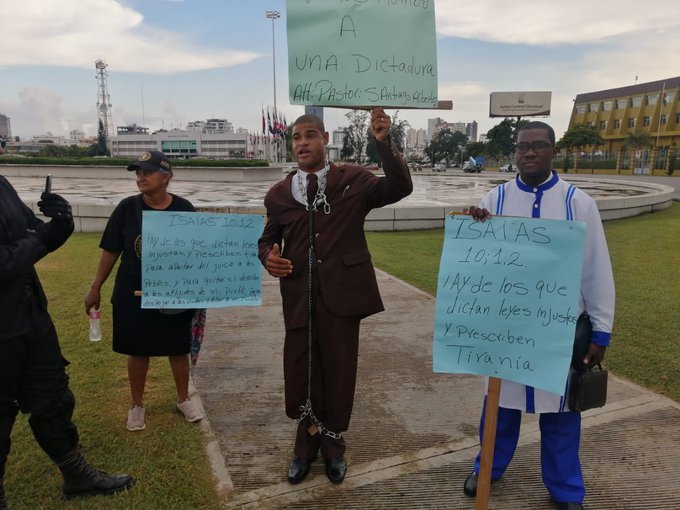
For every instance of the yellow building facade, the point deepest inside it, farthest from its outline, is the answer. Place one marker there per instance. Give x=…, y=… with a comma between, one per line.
x=652, y=108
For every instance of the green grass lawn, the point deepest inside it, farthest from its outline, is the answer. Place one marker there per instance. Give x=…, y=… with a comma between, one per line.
x=168, y=457
x=645, y=253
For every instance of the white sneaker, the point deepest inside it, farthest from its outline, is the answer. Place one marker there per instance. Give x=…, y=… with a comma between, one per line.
x=135, y=419
x=189, y=410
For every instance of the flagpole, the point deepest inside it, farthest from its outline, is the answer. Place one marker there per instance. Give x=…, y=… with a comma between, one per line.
x=274, y=15
x=661, y=105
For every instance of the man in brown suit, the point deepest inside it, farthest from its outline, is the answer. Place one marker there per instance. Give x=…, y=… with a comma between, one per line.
x=314, y=242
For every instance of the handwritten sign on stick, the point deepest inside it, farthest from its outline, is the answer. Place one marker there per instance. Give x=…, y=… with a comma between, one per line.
x=507, y=299
x=362, y=53
x=200, y=260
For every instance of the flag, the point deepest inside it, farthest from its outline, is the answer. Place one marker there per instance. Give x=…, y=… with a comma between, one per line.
x=269, y=122
x=263, y=120
x=663, y=94
x=279, y=124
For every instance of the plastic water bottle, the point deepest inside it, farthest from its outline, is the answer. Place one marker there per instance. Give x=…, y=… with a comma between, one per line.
x=95, y=329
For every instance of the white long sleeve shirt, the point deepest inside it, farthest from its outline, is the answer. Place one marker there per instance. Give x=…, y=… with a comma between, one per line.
x=559, y=200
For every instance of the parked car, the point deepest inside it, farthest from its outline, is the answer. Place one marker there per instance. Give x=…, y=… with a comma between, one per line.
x=439, y=167
x=508, y=168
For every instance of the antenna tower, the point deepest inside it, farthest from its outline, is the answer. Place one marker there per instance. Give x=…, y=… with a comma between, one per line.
x=103, y=99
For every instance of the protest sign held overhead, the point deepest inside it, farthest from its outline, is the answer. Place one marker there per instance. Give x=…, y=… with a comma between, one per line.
x=358, y=54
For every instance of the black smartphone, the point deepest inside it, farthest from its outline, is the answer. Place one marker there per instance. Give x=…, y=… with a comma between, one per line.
x=48, y=183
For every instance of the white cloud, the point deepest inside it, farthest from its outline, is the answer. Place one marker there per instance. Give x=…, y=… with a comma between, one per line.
x=651, y=56
x=40, y=108
x=538, y=22
x=75, y=33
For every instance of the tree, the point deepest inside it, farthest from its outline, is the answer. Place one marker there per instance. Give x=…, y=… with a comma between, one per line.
x=671, y=163
x=445, y=144
x=637, y=140
x=101, y=148
x=475, y=149
x=397, y=134
x=501, y=138
x=579, y=137
x=355, y=139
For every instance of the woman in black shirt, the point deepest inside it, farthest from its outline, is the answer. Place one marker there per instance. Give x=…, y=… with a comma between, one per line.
x=140, y=332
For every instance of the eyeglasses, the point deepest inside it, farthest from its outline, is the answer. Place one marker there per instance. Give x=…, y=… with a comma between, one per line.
x=538, y=146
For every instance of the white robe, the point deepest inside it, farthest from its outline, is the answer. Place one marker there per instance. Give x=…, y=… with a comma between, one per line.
x=559, y=200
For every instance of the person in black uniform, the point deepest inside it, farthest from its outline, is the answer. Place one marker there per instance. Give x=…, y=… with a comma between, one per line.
x=142, y=332
x=32, y=370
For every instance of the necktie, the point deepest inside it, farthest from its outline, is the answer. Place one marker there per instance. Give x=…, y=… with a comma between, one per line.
x=312, y=187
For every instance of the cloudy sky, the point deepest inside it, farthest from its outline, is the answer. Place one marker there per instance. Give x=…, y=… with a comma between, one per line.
x=174, y=61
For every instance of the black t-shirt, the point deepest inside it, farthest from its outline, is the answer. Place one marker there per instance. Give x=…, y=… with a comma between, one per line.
x=123, y=235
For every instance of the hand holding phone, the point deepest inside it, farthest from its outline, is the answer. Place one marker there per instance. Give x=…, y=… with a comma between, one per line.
x=53, y=205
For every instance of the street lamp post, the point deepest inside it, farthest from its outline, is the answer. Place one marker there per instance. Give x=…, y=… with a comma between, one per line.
x=273, y=15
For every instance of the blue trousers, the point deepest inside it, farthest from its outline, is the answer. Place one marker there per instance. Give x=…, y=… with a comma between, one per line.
x=560, y=438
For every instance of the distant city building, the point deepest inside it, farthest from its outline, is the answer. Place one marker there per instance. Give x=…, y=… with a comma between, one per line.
x=471, y=131
x=49, y=138
x=338, y=137
x=5, y=127
x=132, y=129
x=652, y=108
x=76, y=135
x=210, y=126
x=483, y=138
x=35, y=144
x=457, y=127
x=432, y=126
x=335, y=144
x=180, y=144
x=314, y=110
x=416, y=137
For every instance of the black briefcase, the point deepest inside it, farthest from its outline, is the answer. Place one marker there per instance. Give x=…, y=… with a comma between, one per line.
x=588, y=385
x=588, y=389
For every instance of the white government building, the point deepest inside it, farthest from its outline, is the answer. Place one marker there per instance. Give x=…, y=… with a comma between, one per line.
x=210, y=139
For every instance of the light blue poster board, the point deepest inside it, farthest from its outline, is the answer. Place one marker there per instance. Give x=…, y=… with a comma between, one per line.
x=507, y=299
x=200, y=260
x=362, y=53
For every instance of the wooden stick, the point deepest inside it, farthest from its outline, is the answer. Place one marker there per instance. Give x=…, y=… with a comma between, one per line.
x=139, y=293
x=486, y=462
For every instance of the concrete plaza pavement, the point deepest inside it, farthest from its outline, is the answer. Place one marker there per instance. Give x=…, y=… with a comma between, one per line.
x=413, y=435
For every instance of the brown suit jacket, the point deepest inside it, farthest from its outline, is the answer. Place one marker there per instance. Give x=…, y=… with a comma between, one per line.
x=343, y=263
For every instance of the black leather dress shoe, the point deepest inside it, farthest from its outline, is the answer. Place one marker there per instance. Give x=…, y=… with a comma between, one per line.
x=336, y=470
x=298, y=469
x=470, y=487
x=569, y=505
